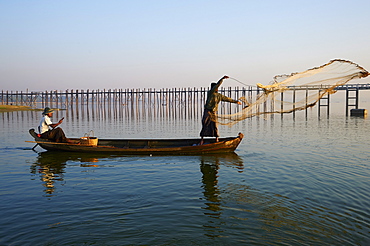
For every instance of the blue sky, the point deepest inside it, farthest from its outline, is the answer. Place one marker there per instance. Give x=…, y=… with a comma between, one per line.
x=59, y=45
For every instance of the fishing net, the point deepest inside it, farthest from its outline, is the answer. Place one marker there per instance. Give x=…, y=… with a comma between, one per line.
x=297, y=91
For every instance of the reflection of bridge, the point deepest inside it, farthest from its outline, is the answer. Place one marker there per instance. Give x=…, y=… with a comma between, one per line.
x=187, y=99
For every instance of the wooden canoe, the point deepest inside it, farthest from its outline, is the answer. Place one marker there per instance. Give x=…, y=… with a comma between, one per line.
x=145, y=146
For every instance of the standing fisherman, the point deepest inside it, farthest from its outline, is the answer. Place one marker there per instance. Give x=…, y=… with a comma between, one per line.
x=209, y=124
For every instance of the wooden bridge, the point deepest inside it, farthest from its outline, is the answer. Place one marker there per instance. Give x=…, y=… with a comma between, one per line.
x=352, y=94
x=190, y=99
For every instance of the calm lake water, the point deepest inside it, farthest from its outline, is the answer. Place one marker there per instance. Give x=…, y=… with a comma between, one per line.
x=292, y=181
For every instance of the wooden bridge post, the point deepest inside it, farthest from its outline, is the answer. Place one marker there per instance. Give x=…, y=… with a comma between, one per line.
x=306, y=111
x=281, y=102
x=351, y=97
x=46, y=99
x=294, y=103
x=66, y=99
x=327, y=98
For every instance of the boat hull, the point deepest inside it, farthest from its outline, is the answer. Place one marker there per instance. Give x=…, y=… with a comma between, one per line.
x=146, y=146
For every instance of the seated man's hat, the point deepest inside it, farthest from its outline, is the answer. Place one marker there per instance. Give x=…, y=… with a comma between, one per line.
x=47, y=110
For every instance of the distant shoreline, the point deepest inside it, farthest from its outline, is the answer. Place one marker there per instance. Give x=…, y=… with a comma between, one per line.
x=11, y=108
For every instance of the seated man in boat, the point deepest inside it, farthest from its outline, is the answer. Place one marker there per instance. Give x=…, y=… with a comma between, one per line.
x=49, y=131
x=209, y=124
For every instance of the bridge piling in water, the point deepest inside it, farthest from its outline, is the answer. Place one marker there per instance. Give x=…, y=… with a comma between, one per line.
x=351, y=100
x=169, y=102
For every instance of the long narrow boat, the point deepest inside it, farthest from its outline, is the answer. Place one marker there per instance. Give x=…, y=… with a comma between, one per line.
x=144, y=146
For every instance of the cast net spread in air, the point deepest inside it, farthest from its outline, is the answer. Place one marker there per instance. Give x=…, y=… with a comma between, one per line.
x=288, y=93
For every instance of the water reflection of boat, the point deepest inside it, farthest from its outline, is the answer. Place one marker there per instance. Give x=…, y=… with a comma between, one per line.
x=225, y=159
x=61, y=158
x=146, y=146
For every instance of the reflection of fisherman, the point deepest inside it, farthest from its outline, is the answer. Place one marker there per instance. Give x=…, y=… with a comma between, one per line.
x=209, y=125
x=210, y=184
x=54, y=134
x=50, y=167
